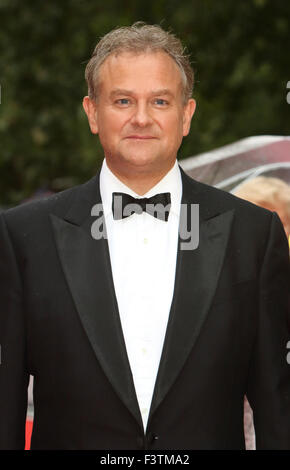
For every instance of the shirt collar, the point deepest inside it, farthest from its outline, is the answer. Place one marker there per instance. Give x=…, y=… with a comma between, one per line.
x=171, y=183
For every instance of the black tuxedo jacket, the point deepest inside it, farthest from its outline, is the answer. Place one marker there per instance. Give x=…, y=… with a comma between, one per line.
x=227, y=332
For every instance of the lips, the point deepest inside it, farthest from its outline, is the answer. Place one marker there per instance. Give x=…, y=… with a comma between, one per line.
x=140, y=137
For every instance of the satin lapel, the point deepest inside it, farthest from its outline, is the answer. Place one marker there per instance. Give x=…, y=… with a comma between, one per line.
x=197, y=274
x=87, y=268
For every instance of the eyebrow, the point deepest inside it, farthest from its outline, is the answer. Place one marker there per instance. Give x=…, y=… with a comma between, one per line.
x=120, y=91
x=164, y=91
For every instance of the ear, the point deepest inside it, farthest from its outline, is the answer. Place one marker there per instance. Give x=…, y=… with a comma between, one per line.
x=188, y=112
x=90, y=108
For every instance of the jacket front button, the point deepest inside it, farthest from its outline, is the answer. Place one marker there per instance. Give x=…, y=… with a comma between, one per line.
x=154, y=438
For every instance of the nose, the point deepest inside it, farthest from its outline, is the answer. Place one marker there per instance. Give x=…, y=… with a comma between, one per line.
x=141, y=116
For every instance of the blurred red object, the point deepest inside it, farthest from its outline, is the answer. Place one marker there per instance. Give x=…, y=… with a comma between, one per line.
x=28, y=431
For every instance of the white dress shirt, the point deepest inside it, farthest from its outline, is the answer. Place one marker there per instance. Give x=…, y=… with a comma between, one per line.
x=143, y=252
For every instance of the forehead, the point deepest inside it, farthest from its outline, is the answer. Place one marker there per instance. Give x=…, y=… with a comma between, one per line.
x=144, y=71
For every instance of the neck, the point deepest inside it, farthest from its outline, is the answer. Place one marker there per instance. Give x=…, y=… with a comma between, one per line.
x=140, y=182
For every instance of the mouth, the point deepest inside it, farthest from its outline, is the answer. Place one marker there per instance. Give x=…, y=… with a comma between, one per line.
x=140, y=137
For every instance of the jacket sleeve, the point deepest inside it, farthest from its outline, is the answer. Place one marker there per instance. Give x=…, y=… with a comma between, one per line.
x=269, y=376
x=13, y=375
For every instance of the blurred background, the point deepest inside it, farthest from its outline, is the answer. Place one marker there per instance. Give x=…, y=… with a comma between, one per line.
x=240, y=54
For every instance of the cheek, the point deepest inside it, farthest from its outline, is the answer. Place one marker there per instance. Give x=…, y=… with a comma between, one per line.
x=109, y=127
x=172, y=126
x=176, y=132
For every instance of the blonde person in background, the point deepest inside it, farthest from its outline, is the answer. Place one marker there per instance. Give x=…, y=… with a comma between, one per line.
x=273, y=194
x=270, y=193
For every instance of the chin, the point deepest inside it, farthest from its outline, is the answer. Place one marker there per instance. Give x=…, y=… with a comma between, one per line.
x=140, y=160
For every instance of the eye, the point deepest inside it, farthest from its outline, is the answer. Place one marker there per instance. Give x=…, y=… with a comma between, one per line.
x=123, y=101
x=160, y=102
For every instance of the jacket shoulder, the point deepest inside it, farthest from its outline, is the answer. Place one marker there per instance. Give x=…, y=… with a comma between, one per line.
x=57, y=204
x=214, y=201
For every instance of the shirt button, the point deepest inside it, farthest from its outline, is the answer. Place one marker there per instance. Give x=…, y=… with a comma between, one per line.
x=144, y=411
x=144, y=350
x=145, y=240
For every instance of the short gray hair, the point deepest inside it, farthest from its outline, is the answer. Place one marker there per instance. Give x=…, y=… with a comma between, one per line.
x=139, y=38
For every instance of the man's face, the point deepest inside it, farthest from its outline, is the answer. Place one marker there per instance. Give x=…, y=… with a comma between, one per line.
x=139, y=115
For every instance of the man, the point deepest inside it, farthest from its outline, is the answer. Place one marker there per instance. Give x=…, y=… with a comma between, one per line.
x=135, y=339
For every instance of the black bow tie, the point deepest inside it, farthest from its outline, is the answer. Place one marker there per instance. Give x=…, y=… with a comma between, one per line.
x=124, y=205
